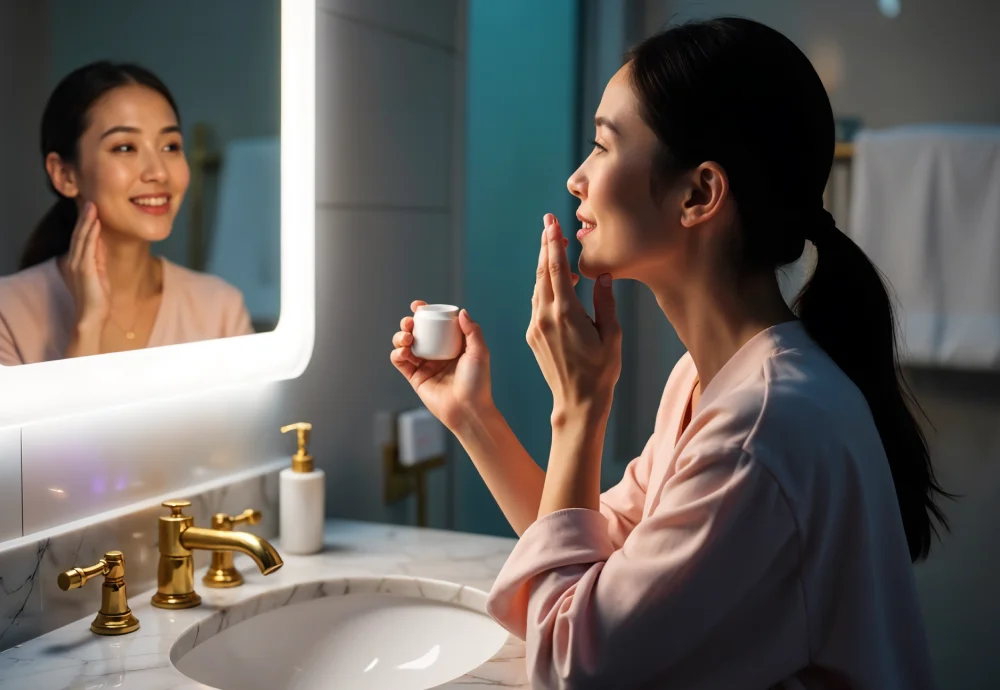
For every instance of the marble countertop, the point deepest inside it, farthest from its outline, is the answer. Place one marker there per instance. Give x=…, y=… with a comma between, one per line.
x=73, y=657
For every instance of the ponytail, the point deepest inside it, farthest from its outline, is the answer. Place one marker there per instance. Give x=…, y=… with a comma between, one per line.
x=51, y=237
x=846, y=309
x=739, y=93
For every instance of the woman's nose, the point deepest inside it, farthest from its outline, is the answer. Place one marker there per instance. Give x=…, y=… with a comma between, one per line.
x=577, y=184
x=153, y=169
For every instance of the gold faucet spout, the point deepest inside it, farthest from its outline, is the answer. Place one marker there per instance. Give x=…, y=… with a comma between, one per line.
x=263, y=554
x=178, y=538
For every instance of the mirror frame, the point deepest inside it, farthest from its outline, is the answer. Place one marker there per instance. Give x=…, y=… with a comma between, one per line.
x=47, y=390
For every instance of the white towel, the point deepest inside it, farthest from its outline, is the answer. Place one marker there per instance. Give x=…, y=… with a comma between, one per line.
x=246, y=238
x=925, y=207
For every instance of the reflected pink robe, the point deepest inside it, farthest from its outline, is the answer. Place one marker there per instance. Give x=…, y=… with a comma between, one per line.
x=37, y=312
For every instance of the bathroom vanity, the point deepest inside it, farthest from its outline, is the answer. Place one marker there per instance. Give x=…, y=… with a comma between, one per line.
x=380, y=607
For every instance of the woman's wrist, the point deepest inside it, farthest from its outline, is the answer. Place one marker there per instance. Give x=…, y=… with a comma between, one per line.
x=85, y=340
x=592, y=412
x=90, y=323
x=471, y=420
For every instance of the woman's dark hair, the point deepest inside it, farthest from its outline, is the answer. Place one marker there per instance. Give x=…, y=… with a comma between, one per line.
x=738, y=93
x=64, y=120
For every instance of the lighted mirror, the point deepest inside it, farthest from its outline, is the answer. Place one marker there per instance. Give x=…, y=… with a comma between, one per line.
x=159, y=234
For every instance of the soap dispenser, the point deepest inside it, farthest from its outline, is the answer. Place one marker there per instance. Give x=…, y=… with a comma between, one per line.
x=301, y=500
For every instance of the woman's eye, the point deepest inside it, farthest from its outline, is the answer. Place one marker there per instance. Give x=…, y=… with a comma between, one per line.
x=123, y=148
x=593, y=142
x=175, y=147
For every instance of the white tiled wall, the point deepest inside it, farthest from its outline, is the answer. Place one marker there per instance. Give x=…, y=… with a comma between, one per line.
x=390, y=82
x=426, y=21
x=384, y=133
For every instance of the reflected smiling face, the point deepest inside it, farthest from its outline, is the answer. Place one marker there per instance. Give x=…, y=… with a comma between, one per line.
x=131, y=164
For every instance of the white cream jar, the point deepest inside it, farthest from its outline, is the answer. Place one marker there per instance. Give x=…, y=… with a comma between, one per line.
x=436, y=332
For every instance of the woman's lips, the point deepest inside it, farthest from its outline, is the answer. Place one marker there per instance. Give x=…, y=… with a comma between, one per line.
x=585, y=230
x=153, y=205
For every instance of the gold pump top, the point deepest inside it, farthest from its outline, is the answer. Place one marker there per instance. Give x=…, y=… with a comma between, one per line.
x=301, y=461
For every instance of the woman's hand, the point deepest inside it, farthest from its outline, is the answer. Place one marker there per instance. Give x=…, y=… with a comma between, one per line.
x=86, y=268
x=452, y=390
x=580, y=358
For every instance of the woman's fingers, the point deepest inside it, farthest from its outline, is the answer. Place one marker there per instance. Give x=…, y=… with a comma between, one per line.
x=100, y=250
x=406, y=324
x=401, y=361
x=543, y=284
x=415, y=304
x=88, y=253
x=80, y=232
x=558, y=262
x=402, y=339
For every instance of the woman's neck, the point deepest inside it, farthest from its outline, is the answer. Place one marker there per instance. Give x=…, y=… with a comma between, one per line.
x=133, y=272
x=715, y=314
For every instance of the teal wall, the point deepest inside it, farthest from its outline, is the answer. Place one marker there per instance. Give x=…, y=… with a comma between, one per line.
x=522, y=144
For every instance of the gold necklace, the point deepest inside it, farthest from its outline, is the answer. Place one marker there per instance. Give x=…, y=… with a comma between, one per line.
x=130, y=332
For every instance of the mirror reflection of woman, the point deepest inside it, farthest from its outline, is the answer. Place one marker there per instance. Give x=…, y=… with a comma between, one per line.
x=89, y=282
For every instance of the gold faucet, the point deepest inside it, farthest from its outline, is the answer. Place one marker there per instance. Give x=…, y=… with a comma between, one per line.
x=222, y=572
x=114, y=616
x=179, y=537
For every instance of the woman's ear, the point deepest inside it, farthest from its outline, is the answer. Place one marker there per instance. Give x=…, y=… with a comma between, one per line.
x=62, y=175
x=707, y=188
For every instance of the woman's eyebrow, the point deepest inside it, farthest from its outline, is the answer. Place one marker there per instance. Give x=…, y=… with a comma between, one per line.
x=135, y=130
x=601, y=121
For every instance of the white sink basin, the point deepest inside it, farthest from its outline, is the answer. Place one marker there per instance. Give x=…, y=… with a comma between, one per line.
x=358, y=633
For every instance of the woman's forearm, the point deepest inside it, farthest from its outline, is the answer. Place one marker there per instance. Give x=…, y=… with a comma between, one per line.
x=514, y=479
x=573, y=477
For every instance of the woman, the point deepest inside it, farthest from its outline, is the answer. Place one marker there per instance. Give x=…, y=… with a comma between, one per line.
x=764, y=537
x=89, y=283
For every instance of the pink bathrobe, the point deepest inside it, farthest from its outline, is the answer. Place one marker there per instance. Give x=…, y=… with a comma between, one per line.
x=761, y=547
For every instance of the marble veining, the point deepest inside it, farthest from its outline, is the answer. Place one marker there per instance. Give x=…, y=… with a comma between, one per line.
x=432, y=564
x=29, y=567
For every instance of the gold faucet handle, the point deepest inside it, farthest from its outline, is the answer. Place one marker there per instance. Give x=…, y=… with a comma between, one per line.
x=177, y=506
x=114, y=617
x=78, y=577
x=224, y=521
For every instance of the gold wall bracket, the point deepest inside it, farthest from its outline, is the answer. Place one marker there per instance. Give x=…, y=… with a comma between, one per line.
x=222, y=572
x=400, y=481
x=114, y=617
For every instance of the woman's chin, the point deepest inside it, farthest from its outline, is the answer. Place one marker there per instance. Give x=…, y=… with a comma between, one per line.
x=592, y=269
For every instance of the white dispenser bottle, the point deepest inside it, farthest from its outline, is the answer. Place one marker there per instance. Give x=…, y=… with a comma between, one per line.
x=301, y=499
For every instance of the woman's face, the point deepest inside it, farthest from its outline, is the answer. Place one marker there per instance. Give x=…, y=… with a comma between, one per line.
x=630, y=229
x=131, y=164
